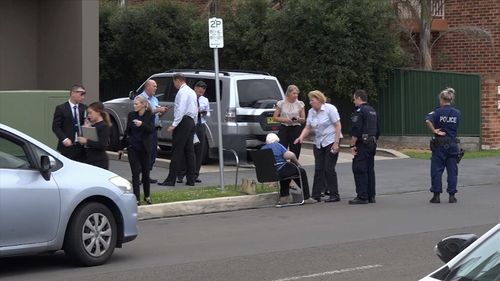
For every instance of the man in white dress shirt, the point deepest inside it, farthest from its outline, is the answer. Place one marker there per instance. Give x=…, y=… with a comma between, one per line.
x=200, y=147
x=183, y=130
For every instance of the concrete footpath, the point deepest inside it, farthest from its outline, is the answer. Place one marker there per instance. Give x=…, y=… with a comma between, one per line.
x=395, y=172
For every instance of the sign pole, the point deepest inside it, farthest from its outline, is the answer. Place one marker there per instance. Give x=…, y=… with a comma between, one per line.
x=219, y=121
x=216, y=41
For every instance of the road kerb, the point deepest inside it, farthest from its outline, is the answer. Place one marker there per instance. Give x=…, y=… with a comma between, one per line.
x=206, y=206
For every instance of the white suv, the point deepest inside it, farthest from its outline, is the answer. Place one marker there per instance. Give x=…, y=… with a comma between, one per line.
x=247, y=106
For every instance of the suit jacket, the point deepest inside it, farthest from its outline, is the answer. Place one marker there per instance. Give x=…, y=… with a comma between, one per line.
x=62, y=123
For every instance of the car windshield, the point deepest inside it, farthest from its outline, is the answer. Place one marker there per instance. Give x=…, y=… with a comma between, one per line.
x=482, y=264
x=251, y=93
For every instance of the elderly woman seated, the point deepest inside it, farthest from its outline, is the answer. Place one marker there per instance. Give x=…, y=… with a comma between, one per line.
x=287, y=169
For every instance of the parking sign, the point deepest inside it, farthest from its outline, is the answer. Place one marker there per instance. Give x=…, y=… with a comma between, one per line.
x=215, y=33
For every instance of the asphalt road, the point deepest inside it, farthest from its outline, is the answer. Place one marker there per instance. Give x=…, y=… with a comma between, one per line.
x=391, y=240
x=393, y=175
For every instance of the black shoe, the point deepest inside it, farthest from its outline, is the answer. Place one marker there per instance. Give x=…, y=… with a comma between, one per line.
x=372, y=200
x=153, y=180
x=318, y=199
x=333, y=199
x=166, y=183
x=190, y=183
x=138, y=203
x=435, y=198
x=327, y=192
x=197, y=180
x=179, y=180
x=148, y=200
x=452, y=198
x=357, y=201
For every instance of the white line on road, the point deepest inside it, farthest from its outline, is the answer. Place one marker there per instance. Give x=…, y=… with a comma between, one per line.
x=331, y=272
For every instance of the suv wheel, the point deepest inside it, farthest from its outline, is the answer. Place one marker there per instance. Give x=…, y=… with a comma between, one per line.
x=91, y=235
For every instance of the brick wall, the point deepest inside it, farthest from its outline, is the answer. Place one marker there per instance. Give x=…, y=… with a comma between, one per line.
x=475, y=53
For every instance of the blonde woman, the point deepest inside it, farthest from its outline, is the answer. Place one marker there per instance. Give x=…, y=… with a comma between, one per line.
x=291, y=114
x=443, y=122
x=323, y=120
x=139, y=132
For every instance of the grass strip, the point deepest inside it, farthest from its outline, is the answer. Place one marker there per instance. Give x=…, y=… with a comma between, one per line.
x=194, y=193
x=426, y=154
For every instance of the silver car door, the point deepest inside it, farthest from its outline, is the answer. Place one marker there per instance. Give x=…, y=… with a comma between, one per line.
x=29, y=204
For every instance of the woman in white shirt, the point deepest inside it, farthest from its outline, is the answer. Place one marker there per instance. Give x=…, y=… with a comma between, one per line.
x=291, y=114
x=323, y=120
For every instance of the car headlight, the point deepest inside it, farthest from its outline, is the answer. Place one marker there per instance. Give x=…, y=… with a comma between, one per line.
x=122, y=184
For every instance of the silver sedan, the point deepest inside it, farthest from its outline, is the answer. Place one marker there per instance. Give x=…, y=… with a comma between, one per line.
x=49, y=203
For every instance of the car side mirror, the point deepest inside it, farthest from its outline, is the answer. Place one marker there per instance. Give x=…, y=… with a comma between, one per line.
x=45, y=167
x=451, y=246
x=132, y=95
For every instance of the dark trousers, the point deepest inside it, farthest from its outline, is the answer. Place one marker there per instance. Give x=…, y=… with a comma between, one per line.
x=290, y=170
x=101, y=164
x=287, y=135
x=363, y=168
x=75, y=152
x=183, y=148
x=200, y=148
x=139, y=164
x=154, y=147
x=325, y=176
x=199, y=151
x=444, y=157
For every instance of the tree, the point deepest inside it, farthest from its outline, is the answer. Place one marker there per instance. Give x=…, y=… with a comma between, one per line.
x=334, y=46
x=139, y=40
x=245, y=37
x=421, y=13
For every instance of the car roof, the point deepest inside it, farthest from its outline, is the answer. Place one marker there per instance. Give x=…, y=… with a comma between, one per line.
x=222, y=73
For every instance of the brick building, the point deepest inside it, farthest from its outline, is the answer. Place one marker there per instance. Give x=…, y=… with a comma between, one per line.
x=472, y=53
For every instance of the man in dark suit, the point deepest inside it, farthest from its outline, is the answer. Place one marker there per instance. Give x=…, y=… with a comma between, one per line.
x=67, y=122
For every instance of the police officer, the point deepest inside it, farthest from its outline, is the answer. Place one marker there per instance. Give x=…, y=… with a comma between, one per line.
x=443, y=122
x=363, y=144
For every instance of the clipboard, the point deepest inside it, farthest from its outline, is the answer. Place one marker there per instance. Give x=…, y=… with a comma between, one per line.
x=90, y=133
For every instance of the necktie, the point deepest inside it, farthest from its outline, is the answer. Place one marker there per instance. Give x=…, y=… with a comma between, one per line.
x=199, y=113
x=76, y=119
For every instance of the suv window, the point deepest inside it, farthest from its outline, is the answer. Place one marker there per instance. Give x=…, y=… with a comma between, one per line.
x=210, y=91
x=163, y=86
x=252, y=92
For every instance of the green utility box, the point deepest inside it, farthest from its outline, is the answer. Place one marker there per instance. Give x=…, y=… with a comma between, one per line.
x=31, y=112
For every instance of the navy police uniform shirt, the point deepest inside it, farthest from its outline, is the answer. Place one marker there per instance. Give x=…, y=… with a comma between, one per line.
x=364, y=120
x=445, y=118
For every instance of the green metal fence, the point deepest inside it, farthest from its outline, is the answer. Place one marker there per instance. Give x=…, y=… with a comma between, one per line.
x=412, y=94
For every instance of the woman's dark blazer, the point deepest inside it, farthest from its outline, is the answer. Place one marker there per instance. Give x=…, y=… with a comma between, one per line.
x=145, y=130
x=96, y=150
